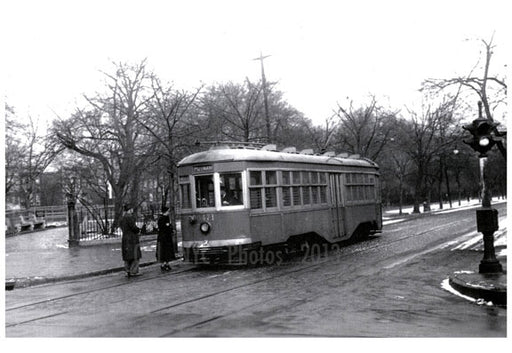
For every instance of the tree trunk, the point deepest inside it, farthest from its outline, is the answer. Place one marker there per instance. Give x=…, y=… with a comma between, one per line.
x=440, y=183
x=118, y=211
x=448, y=192
x=400, y=196
x=418, y=192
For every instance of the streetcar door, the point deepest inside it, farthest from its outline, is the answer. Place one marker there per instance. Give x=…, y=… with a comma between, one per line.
x=335, y=185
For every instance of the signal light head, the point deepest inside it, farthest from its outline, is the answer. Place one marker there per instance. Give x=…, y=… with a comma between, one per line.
x=484, y=141
x=481, y=130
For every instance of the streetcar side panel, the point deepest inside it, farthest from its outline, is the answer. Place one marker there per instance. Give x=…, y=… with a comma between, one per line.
x=317, y=221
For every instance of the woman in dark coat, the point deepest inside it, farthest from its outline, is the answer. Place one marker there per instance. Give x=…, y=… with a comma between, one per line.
x=130, y=242
x=164, y=244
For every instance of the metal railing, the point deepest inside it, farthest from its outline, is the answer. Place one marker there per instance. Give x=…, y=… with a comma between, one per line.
x=97, y=222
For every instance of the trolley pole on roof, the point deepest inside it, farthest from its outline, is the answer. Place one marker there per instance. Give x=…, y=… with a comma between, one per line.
x=265, y=99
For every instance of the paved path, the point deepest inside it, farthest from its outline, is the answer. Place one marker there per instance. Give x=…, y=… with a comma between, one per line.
x=45, y=254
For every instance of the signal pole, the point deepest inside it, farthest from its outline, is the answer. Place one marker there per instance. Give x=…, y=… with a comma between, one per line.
x=482, y=141
x=265, y=99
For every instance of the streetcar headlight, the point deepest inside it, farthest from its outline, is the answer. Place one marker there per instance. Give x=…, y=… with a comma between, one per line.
x=205, y=227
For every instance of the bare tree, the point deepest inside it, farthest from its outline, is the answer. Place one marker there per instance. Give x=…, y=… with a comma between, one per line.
x=364, y=130
x=236, y=110
x=172, y=124
x=323, y=136
x=14, y=149
x=108, y=131
x=401, y=169
x=28, y=153
x=418, y=137
x=491, y=90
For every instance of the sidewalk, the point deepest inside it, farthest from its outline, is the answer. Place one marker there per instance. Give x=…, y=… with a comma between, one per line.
x=44, y=256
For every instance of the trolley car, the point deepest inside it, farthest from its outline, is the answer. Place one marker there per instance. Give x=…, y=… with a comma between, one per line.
x=236, y=202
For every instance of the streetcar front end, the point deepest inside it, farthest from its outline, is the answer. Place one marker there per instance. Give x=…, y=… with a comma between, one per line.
x=214, y=215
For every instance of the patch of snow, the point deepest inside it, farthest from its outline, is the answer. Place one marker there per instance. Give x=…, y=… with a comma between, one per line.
x=446, y=286
x=502, y=253
x=434, y=207
x=148, y=248
x=474, y=239
x=500, y=239
x=393, y=221
x=56, y=224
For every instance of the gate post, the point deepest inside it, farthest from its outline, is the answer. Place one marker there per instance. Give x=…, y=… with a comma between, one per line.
x=73, y=227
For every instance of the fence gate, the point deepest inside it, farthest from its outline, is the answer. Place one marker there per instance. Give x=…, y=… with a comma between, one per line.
x=96, y=223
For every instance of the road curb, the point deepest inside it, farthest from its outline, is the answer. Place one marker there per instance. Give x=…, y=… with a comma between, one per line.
x=34, y=281
x=490, y=287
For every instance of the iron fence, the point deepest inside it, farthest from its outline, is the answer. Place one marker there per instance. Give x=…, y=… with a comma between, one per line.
x=97, y=222
x=94, y=222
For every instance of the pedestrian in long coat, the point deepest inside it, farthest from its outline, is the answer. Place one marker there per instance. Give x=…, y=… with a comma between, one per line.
x=164, y=244
x=130, y=242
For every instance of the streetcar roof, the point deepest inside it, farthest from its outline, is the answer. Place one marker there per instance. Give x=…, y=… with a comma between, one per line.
x=239, y=154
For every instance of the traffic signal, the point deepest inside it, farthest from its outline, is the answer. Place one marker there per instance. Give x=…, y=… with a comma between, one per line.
x=482, y=139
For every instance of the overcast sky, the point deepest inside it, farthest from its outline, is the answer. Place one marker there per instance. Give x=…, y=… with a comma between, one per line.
x=321, y=51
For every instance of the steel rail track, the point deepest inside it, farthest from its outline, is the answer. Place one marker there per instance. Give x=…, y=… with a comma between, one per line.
x=285, y=294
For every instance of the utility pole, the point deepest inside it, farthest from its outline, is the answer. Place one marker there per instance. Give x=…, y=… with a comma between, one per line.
x=265, y=99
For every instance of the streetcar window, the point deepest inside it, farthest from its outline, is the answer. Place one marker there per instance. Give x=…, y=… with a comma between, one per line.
x=271, y=177
x=286, y=178
x=323, y=194
x=314, y=178
x=185, y=196
x=263, y=189
x=360, y=192
x=255, y=178
x=204, y=191
x=231, y=189
x=287, y=196
x=270, y=197
x=314, y=194
x=296, y=195
x=305, y=195
x=287, y=191
x=360, y=187
x=305, y=178
x=271, y=192
x=296, y=177
x=255, y=194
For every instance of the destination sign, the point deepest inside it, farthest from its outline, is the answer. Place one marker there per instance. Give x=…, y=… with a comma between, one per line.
x=203, y=168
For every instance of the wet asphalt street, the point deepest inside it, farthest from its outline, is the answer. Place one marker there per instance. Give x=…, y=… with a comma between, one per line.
x=387, y=286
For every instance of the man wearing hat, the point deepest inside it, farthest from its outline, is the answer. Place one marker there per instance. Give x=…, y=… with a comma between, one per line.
x=130, y=242
x=164, y=244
